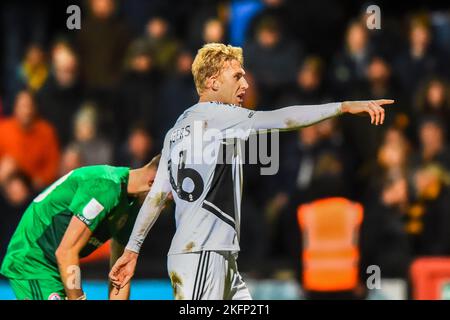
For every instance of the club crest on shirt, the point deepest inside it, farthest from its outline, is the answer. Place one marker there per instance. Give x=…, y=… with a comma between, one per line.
x=54, y=296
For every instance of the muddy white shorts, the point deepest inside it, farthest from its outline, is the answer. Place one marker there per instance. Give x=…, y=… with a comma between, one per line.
x=206, y=275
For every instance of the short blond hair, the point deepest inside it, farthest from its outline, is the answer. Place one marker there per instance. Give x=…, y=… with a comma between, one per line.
x=154, y=163
x=210, y=60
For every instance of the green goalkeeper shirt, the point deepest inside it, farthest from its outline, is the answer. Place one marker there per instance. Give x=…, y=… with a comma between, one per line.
x=97, y=195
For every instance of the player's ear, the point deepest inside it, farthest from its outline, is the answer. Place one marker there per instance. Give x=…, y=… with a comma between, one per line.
x=212, y=83
x=215, y=85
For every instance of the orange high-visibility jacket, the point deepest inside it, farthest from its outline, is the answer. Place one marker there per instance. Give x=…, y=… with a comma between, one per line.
x=330, y=229
x=36, y=150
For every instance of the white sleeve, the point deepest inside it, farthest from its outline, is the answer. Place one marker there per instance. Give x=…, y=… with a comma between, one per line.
x=239, y=122
x=151, y=208
x=294, y=117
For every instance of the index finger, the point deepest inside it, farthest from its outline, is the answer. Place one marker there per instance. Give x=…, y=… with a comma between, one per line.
x=384, y=101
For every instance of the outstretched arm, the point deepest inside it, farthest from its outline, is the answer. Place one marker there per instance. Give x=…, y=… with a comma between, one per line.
x=294, y=117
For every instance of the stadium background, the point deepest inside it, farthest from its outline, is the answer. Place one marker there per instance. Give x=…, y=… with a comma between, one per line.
x=107, y=94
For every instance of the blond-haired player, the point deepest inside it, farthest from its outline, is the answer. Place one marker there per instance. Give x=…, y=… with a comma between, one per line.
x=207, y=190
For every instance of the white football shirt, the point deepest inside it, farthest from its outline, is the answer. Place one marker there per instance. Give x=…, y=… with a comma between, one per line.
x=201, y=164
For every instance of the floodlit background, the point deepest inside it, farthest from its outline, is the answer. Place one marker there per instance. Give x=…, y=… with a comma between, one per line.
x=352, y=204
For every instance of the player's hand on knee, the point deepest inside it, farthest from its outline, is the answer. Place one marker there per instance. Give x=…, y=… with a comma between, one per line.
x=123, y=270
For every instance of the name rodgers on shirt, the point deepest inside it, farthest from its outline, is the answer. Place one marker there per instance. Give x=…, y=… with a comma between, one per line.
x=179, y=134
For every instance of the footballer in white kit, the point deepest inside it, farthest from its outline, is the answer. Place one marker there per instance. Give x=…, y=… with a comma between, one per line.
x=201, y=166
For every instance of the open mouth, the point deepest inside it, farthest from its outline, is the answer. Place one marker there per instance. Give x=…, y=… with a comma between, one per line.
x=241, y=97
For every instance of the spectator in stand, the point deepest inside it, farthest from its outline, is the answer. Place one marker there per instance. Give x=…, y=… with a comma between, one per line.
x=309, y=88
x=318, y=167
x=137, y=12
x=16, y=192
x=388, y=40
x=177, y=93
x=393, y=154
x=364, y=141
x=71, y=159
x=379, y=83
x=138, y=150
x=34, y=69
x=418, y=61
x=213, y=31
x=163, y=45
x=308, y=22
x=137, y=93
x=383, y=239
x=205, y=11
x=30, y=141
x=348, y=69
x=19, y=28
x=433, y=145
x=61, y=95
x=94, y=149
x=102, y=42
x=428, y=216
x=272, y=59
x=434, y=99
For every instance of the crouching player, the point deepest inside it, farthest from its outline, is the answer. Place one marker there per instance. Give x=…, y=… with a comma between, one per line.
x=69, y=220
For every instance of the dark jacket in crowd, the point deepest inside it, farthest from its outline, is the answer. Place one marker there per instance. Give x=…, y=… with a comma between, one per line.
x=102, y=46
x=384, y=241
x=412, y=71
x=273, y=68
x=58, y=105
x=178, y=93
x=433, y=237
x=137, y=101
x=312, y=172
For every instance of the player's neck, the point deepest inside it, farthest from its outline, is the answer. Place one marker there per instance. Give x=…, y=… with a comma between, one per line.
x=134, y=178
x=210, y=97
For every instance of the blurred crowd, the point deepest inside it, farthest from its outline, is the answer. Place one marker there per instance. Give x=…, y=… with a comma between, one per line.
x=107, y=94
